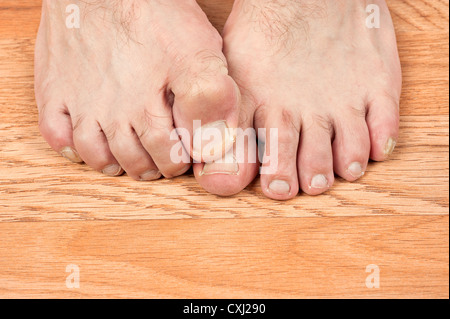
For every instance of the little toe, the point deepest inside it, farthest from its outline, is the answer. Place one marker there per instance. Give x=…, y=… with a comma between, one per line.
x=55, y=126
x=383, y=122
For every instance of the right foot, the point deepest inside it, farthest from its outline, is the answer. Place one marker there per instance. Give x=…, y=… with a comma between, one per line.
x=111, y=92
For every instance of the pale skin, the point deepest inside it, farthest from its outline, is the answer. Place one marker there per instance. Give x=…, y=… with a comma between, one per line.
x=310, y=68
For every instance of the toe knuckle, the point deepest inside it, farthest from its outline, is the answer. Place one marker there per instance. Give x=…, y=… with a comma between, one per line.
x=110, y=130
x=159, y=136
x=53, y=133
x=82, y=138
x=45, y=127
x=209, y=88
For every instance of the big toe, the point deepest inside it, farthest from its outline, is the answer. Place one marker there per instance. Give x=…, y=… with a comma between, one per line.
x=206, y=107
x=237, y=168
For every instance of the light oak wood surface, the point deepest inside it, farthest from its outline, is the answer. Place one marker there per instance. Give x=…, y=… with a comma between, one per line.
x=171, y=239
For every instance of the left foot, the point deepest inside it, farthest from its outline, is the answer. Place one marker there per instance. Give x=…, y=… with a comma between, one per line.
x=327, y=82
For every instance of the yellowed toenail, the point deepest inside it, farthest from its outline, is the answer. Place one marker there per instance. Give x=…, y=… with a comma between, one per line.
x=355, y=169
x=71, y=154
x=390, y=146
x=113, y=170
x=227, y=166
x=212, y=141
x=224, y=70
x=319, y=182
x=151, y=176
x=280, y=187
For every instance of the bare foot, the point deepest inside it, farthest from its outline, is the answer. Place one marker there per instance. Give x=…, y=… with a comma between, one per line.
x=111, y=92
x=328, y=83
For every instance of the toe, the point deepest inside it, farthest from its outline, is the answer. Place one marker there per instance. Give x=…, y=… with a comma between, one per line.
x=279, y=178
x=238, y=168
x=206, y=103
x=315, y=158
x=351, y=146
x=56, y=127
x=158, y=136
x=92, y=145
x=383, y=122
x=130, y=154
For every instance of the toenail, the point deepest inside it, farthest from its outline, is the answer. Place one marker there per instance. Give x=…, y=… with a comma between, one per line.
x=355, y=169
x=319, y=182
x=182, y=171
x=113, y=170
x=212, y=140
x=227, y=166
x=280, y=187
x=71, y=154
x=390, y=146
x=151, y=176
x=224, y=70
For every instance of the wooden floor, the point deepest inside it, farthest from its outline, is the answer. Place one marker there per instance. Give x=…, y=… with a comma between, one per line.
x=170, y=239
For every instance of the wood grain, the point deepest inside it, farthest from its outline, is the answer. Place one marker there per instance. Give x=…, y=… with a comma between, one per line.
x=171, y=239
x=257, y=258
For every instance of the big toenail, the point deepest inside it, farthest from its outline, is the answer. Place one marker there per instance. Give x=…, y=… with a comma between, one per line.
x=227, y=166
x=280, y=187
x=224, y=70
x=212, y=140
x=71, y=154
x=151, y=175
x=113, y=170
x=355, y=169
x=319, y=182
x=390, y=146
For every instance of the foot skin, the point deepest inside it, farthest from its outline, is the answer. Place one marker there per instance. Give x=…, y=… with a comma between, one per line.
x=328, y=83
x=110, y=92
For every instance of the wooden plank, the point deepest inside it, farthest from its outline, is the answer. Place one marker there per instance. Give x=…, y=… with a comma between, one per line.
x=268, y=258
